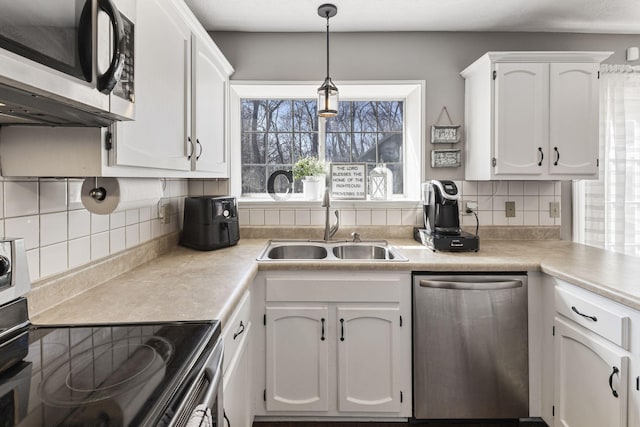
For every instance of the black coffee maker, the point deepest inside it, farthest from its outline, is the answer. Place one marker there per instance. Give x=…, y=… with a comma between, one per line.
x=441, y=214
x=442, y=219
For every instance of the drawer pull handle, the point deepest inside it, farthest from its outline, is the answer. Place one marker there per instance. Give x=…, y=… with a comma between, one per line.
x=341, y=329
x=615, y=371
x=322, y=336
x=240, y=330
x=557, y=156
x=575, y=310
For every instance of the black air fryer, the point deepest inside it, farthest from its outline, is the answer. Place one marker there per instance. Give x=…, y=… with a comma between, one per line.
x=210, y=222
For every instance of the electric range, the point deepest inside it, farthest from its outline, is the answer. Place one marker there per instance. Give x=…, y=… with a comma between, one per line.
x=117, y=375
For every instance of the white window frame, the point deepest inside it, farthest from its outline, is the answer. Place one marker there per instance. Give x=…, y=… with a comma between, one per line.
x=411, y=92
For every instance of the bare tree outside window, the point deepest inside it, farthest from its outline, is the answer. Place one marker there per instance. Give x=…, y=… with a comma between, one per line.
x=276, y=133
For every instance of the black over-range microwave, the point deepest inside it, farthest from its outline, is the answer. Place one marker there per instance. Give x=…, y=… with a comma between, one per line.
x=67, y=62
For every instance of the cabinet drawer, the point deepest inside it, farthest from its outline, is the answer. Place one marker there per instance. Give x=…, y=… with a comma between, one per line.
x=594, y=313
x=234, y=330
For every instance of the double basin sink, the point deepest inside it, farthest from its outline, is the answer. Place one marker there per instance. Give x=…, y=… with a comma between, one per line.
x=286, y=250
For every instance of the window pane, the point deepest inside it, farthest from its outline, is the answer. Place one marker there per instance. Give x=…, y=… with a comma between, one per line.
x=253, y=148
x=279, y=147
x=389, y=147
x=390, y=116
x=278, y=132
x=254, y=179
x=342, y=122
x=280, y=116
x=305, y=116
x=338, y=147
x=305, y=145
x=364, y=147
x=254, y=115
x=364, y=116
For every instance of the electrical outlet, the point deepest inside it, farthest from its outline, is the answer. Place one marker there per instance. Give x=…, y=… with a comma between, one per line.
x=470, y=205
x=554, y=210
x=510, y=209
x=165, y=214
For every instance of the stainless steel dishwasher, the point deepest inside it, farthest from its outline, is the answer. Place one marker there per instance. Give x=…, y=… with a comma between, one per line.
x=470, y=346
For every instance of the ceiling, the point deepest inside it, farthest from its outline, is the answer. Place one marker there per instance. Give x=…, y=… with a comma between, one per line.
x=582, y=16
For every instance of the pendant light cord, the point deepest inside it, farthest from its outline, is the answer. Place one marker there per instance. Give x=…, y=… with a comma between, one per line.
x=327, y=44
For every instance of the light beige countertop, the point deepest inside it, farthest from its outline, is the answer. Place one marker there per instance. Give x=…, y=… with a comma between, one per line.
x=185, y=284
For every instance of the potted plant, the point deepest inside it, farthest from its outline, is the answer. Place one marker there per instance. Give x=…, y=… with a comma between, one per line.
x=311, y=171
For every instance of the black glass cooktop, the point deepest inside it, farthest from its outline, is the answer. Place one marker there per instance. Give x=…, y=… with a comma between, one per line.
x=98, y=375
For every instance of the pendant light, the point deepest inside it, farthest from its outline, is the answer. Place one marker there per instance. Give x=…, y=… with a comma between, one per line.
x=328, y=92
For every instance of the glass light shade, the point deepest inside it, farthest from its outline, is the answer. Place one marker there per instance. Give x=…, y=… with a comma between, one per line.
x=327, y=99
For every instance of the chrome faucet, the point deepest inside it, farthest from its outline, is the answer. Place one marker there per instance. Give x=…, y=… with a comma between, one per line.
x=329, y=230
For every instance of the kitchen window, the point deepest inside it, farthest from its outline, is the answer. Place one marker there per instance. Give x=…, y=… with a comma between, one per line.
x=274, y=125
x=606, y=211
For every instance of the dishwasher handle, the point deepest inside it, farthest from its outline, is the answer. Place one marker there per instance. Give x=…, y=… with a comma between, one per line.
x=478, y=285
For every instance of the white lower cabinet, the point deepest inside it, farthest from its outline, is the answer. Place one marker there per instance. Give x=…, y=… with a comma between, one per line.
x=297, y=358
x=368, y=357
x=597, y=360
x=591, y=379
x=237, y=382
x=335, y=345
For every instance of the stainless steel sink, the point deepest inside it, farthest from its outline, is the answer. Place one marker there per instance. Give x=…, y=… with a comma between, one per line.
x=301, y=250
x=362, y=251
x=297, y=252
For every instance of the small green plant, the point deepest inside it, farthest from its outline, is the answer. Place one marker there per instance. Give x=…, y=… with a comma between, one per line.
x=308, y=166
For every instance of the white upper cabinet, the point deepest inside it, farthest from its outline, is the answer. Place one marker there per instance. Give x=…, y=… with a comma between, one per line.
x=209, y=95
x=574, y=125
x=522, y=117
x=181, y=85
x=532, y=115
x=158, y=136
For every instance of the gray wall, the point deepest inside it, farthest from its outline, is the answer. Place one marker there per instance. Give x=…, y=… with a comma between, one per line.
x=437, y=58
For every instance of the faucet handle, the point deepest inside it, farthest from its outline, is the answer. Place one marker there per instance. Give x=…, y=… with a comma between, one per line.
x=356, y=237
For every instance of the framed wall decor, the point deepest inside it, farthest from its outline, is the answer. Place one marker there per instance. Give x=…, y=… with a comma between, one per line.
x=445, y=134
x=348, y=181
x=446, y=158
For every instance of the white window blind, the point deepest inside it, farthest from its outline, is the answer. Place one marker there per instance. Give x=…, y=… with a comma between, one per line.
x=606, y=211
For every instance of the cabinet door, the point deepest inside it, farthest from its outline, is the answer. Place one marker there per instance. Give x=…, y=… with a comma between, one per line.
x=208, y=114
x=588, y=371
x=368, y=357
x=574, y=125
x=237, y=385
x=297, y=358
x=157, y=137
x=521, y=118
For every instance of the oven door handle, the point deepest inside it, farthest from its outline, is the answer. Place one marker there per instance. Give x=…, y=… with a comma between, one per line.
x=214, y=376
x=212, y=371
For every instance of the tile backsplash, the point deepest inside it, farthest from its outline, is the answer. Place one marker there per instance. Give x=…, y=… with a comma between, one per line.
x=531, y=200
x=60, y=234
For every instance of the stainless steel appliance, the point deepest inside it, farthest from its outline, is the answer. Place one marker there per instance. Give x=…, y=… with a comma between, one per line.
x=210, y=222
x=441, y=219
x=134, y=374
x=470, y=346
x=66, y=62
